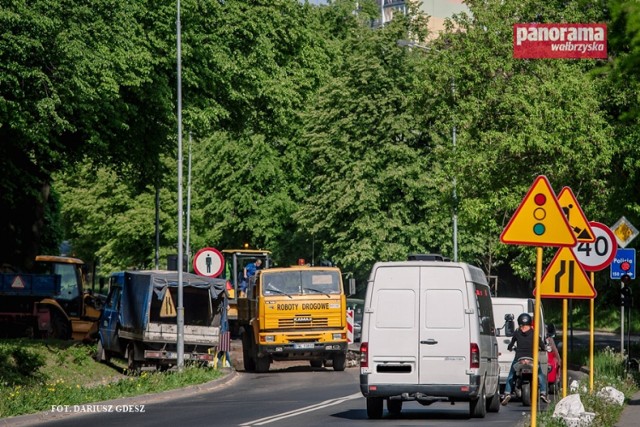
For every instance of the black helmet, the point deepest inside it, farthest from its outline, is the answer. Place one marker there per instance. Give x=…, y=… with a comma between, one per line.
x=524, y=319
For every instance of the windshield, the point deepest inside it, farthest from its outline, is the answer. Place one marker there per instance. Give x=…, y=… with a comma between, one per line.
x=300, y=282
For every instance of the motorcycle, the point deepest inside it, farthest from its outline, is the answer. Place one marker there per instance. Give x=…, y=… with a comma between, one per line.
x=554, y=376
x=523, y=378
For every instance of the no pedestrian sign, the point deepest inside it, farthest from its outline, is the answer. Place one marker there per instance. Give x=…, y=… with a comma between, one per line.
x=208, y=262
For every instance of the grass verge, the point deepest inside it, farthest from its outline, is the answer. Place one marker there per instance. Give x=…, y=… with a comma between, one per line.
x=609, y=370
x=36, y=375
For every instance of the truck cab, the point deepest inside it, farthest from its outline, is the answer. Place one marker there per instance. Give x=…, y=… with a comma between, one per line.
x=294, y=313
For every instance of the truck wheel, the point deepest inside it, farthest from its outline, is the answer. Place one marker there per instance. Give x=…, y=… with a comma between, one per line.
x=339, y=362
x=262, y=364
x=133, y=366
x=59, y=326
x=101, y=353
x=374, y=407
x=247, y=355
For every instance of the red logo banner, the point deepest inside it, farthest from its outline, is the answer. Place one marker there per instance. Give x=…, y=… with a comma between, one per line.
x=568, y=41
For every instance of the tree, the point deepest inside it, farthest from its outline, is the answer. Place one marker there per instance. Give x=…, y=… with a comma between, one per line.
x=76, y=79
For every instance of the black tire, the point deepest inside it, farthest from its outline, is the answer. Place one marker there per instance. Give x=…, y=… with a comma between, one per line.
x=394, y=406
x=133, y=366
x=316, y=363
x=374, y=407
x=493, y=403
x=102, y=355
x=526, y=394
x=339, y=362
x=262, y=364
x=60, y=328
x=478, y=406
x=247, y=353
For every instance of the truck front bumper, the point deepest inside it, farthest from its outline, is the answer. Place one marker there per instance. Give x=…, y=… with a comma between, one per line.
x=302, y=351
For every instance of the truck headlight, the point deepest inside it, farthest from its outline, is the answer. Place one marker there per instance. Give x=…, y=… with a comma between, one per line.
x=269, y=338
x=337, y=336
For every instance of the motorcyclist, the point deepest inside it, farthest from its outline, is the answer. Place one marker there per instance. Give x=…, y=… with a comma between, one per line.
x=522, y=340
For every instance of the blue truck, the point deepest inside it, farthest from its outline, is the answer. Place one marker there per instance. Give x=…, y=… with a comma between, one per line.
x=139, y=319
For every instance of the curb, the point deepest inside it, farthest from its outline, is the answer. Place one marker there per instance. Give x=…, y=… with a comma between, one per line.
x=40, y=417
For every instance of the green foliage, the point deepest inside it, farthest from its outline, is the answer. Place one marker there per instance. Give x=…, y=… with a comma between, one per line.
x=314, y=135
x=609, y=371
x=19, y=365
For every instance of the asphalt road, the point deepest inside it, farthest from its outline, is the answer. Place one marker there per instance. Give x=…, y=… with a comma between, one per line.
x=291, y=395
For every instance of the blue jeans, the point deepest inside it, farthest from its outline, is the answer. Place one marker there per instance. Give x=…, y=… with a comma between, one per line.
x=542, y=383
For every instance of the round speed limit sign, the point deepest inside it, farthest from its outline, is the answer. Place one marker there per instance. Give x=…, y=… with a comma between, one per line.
x=599, y=254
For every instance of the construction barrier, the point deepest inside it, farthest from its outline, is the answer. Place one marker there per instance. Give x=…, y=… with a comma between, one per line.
x=349, y=326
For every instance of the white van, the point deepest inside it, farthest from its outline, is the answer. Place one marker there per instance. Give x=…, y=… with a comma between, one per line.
x=505, y=313
x=428, y=335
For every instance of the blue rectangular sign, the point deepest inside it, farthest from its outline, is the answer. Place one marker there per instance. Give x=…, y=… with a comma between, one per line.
x=624, y=263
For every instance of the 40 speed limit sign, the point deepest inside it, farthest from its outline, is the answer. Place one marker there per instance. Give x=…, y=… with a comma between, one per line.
x=599, y=254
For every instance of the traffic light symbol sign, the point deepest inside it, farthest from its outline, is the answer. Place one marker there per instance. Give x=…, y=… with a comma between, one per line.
x=539, y=220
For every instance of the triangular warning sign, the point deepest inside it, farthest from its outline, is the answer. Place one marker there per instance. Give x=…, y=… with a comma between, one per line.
x=18, y=283
x=565, y=278
x=539, y=220
x=575, y=216
x=168, y=309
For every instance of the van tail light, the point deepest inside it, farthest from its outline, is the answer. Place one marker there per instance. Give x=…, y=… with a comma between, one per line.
x=229, y=287
x=474, y=356
x=364, y=355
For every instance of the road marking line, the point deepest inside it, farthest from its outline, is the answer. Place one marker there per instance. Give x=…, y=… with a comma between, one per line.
x=310, y=408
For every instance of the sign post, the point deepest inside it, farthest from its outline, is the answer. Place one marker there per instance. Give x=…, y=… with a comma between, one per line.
x=595, y=258
x=538, y=221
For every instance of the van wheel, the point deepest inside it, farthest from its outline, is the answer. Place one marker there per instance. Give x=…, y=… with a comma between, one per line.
x=374, y=408
x=316, y=363
x=394, y=406
x=339, y=362
x=493, y=404
x=478, y=407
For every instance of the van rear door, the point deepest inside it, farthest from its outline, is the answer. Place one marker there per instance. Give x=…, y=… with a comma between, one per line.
x=393, y=325
x=444, y=326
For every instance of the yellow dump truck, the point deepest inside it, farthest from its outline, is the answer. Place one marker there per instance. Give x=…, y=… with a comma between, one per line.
x=49, y=302
x=294, y=313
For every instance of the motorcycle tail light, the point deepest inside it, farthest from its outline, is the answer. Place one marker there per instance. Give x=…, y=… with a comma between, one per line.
x=474, y=356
